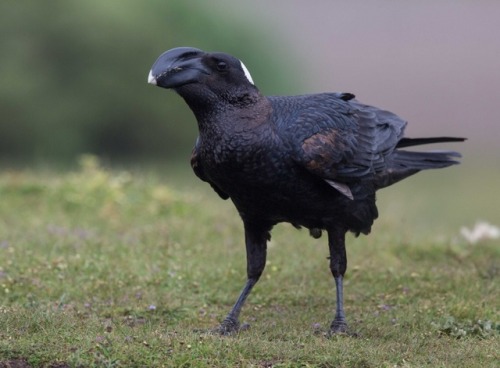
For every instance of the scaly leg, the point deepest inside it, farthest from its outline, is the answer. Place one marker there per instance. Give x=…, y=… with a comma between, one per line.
x=338, y=266
x=256, y=245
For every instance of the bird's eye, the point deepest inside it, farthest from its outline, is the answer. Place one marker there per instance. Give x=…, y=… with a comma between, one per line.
x=221, y=66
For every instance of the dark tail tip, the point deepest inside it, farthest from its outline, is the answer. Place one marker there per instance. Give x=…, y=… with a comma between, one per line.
x=407, y=142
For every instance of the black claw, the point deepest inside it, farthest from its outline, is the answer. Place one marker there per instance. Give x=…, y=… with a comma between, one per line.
x=228, y=327
x=338, y=327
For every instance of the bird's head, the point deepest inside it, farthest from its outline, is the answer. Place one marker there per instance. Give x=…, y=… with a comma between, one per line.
x=186, y=66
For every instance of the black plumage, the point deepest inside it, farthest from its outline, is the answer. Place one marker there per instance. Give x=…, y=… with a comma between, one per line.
x=314, y=161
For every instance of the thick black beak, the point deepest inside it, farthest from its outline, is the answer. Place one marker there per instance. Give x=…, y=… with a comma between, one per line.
x=177, y=67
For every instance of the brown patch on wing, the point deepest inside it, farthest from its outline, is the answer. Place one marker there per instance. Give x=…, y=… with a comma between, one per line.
x=322, y=151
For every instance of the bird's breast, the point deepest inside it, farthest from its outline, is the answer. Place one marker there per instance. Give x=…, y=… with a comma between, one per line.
x=240, y=151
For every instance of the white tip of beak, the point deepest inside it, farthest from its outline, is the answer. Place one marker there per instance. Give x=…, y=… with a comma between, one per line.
x=151, y=78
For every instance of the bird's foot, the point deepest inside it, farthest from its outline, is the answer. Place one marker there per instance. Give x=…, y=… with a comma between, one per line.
x=338, y=326
x=229, y=326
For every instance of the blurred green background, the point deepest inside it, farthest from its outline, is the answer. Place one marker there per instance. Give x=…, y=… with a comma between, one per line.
x=73, y=73
x=74, y=76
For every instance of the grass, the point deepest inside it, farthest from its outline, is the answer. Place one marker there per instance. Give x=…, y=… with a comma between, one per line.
x=116, y=269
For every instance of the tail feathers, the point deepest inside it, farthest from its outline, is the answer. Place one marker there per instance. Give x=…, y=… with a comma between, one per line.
x=407, y=142
x=407, y=163
x=424, y=160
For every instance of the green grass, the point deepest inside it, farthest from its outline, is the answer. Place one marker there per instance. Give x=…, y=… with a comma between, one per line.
x=117, y=269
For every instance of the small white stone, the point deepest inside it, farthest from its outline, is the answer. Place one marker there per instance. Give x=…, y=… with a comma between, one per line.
x=482, y=230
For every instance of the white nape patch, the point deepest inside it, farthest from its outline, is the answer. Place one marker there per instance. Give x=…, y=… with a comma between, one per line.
x=151, y=78
x=247, y=73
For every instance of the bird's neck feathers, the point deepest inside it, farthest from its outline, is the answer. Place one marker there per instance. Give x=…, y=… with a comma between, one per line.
x=226, y=109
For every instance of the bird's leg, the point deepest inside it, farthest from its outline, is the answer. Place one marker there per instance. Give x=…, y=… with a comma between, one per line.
x=231, y=323
x=338, y=266
x=256, y=246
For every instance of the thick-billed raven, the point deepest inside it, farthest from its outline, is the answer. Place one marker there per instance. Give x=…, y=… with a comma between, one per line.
x=314, y=161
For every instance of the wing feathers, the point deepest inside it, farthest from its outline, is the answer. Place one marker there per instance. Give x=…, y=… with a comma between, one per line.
x=344, y=141
x=342, y=188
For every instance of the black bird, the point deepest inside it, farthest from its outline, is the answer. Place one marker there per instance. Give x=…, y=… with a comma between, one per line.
x=314, y=161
